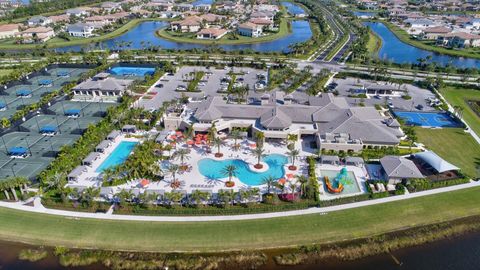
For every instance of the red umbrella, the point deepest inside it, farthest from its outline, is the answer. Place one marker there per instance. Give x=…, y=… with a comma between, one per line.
x=179, y=133
x=289, y=175
x=189, y=142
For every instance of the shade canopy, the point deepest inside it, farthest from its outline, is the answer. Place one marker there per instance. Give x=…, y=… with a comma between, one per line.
x=23, y=92
x=48, y=129
x=439, y=164
x=17, y=151
x=45, y=82
x=62, y=73
x=72, y=112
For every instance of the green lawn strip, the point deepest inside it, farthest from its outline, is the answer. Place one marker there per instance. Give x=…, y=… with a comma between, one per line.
x=405, y=37
x=189, y=38
x=458, y=96
x=4, y=72
x=374, y=43
x=454, y=145
x=231, y=235
x=56, y=42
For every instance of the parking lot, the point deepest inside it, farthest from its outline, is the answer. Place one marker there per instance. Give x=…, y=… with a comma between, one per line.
x=418, y=95
x=210, y=85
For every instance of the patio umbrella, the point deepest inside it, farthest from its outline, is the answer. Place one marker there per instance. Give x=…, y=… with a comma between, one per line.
x=282, y=181
x=289, y=175
x=144, y=182
x=253, y=145
x=179, y=133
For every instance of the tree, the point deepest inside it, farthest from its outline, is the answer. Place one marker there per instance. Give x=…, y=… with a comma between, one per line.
x=260, y=137
x=226, y=196
x=259, y=152
x=270, y=182
x=235, y=134
x=303, y=180
x=5, y=123
x=293, y=154
x=173, y=169
x=173, y=197
x=218, y=142
x=230, y=171
x=182, y=155
x=198, y=196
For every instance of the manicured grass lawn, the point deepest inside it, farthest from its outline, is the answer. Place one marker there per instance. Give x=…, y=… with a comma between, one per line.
x=229, y=235
x=458, y=96
x=4, y=72
x=405, y=37
x=191, y=38
x=453, y=145
x=374, y=43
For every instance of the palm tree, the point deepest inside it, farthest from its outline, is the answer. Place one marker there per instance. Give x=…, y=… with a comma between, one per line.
x=173, y=197
x=293, y=187
x=173, y=169
x=260, y=136
x=270, y=182
x=235, y=134
x=4, y=188
x=226, y=196
x=230, y=171
x=293, y=154
x=182, y=155
x=259, y=152
x=218, y=142
x=303, y=180
x=198, y=196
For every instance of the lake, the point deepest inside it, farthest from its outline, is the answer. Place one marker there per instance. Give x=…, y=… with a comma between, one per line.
x=399, y=52
x=293, y=8
x=143, y=36
x=460, y=253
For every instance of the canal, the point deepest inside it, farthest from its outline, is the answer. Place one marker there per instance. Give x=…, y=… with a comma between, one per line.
x=460, y=253
x=395, y=50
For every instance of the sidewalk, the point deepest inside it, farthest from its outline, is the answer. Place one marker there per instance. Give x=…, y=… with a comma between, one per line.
x=39, y=208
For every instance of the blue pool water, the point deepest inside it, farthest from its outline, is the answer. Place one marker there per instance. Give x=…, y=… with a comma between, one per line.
x=212, y=169
x=118, y=156
x=428, y=119
x=135, y=71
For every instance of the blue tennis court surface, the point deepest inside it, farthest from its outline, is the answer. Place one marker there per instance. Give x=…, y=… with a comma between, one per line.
x=428, y=119
x=132, y=71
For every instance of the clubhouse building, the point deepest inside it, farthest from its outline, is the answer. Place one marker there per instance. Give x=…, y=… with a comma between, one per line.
x=327, y=120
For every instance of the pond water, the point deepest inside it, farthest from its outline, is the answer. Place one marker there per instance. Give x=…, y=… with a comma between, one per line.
x=398, y=52
x=143, y=36
x=293, y=9
x=364, y=14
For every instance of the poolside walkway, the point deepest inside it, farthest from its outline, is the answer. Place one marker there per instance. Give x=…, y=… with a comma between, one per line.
x=39, y=208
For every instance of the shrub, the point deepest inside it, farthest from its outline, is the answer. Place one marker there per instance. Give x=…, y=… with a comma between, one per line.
x=32, y=255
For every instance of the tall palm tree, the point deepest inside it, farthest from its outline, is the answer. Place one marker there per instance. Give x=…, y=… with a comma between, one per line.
x=303, y=180
x=173, y=169
x=198, y=196
x=293, y=154
x=218, y=142
x=182, y=155
x=269, y=181
x=235, y=134
x=173, y=197
x=259, y=152
x=227, y=196
x=230, y=171
x=260, y=137
x=293, y=187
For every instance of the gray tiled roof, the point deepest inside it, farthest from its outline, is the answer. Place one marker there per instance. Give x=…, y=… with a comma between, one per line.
x=400, y=167
x=332, y=115
x=108, y=84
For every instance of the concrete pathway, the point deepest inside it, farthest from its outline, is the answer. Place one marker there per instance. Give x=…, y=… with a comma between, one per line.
x=39, y=208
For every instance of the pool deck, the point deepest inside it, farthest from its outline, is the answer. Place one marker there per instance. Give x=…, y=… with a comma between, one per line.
x=360, y=174
x=89, y=178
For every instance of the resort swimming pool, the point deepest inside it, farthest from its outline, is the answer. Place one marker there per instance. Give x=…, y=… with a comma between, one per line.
x=428, y=119
x=351, y=188
x=132, y=71
x=118, y=156
x=212, y=169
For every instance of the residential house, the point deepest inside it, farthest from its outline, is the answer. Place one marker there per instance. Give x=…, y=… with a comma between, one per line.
x=59, y=18
x=36, y=34
x=78, y=12
x=249, y=29
x=202, y=7
x=81, y=30
x=39, y=21
x=111, y=6
x=190, y=24
x=98, y=21
x=183, y=7
x=432, y=33
x=8, y=30
x=266, y=24
x=459, y=40
x=211, y=33
x=419, y=23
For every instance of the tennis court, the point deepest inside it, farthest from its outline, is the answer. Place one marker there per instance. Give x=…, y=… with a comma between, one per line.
x=428, y=119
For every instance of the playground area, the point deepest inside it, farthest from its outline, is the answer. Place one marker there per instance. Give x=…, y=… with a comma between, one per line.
x=428, y=119
x=31, y=90
x=341, y=181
